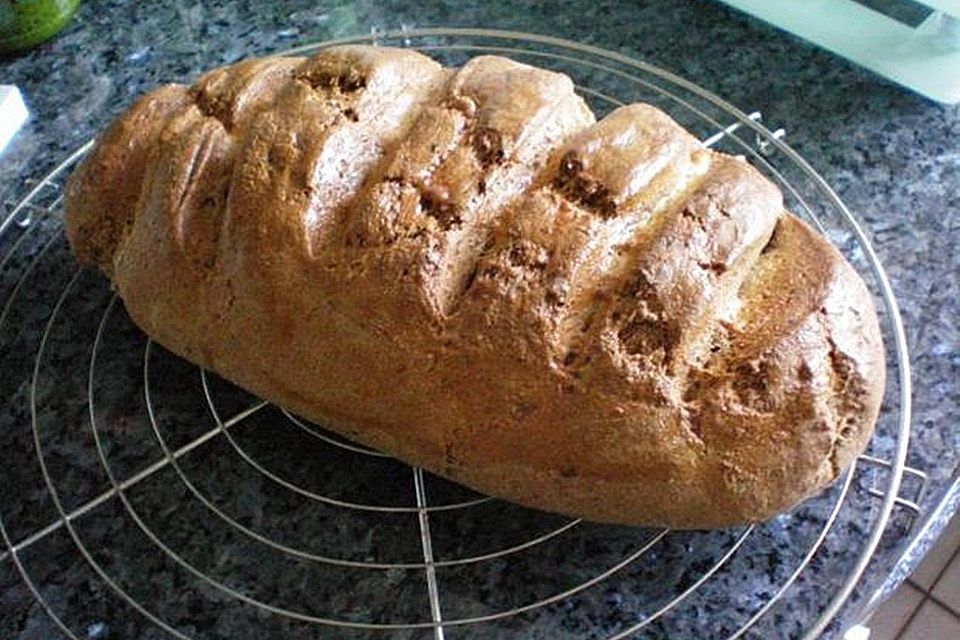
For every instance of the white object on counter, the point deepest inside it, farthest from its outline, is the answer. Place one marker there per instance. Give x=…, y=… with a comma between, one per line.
x=925, y=57
x=13, y=113
x=857, y=632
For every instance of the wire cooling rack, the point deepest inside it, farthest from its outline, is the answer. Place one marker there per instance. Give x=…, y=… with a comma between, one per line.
x=141, y=497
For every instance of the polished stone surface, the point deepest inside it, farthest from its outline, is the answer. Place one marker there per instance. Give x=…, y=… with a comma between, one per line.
x=265, y=519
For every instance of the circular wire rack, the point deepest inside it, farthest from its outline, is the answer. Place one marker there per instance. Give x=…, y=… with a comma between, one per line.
x=177, y=505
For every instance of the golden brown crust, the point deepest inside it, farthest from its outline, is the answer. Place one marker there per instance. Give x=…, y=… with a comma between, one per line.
x=463, y=269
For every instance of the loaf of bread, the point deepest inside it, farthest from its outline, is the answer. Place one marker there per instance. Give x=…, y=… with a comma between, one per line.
x=463, y=269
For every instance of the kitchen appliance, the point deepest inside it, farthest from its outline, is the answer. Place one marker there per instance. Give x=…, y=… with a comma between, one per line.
x=915, y=43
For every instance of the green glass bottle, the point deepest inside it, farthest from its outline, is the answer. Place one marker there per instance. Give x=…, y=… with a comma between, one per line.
x=25, y=23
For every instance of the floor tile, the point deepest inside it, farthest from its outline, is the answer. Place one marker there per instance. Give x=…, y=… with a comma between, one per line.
x=939, y=555
x=947, y=589
x=887, y=621
x=932, y=622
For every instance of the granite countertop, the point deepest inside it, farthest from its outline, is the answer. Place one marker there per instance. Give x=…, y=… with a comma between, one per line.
x=892, y=156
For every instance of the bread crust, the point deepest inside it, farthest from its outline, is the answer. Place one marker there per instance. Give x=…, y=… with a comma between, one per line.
x=463, y=269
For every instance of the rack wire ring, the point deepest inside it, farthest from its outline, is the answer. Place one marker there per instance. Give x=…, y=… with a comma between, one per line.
x=898, y=340
x=342, y=444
